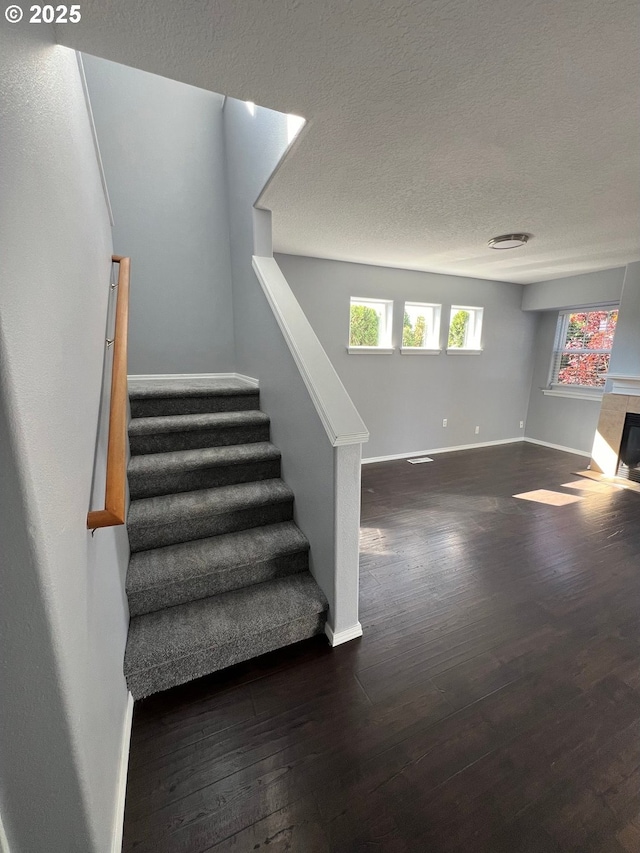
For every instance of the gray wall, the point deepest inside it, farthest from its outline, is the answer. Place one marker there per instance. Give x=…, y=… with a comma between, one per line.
x=561, y=420
x=63, y=619
x=163, y=151
x=254, y=146
x=403, y=399
x=593, y=288
x=557, y=420
x=625, y=355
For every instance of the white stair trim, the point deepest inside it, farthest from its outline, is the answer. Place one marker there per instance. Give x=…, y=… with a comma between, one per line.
x=147, y=377
x=118, y=822
x=336, y=639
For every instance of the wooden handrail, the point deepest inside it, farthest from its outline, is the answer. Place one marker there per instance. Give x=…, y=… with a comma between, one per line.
x=116, y=488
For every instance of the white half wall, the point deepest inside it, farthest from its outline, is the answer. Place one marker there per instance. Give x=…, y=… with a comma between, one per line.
x=63, y=616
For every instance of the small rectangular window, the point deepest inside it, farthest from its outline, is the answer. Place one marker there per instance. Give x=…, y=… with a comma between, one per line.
x=583, y=347
x=465, y=329
x=421, y=326
x=370, y=324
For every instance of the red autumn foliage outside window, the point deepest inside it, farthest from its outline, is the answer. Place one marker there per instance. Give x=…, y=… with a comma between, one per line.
x=586, y=340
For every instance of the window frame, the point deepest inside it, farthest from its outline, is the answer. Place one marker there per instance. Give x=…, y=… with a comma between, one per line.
x=476, y=315
x=563, y=389
x=384, y=347
x=432, y=342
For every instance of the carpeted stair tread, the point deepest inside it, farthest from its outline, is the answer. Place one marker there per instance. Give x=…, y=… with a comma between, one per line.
x=207, y=502
x=164, y=433
x=219, y=571
x=164, y=577
x=197, y=422
x=154, y=474
x=176, y=461
x=182, y=397
x=166, y=388
x=169, y=519
x=176, y=644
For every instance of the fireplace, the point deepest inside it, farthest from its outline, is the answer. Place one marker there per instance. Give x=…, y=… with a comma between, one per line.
x=617, y=440
x=629, y=459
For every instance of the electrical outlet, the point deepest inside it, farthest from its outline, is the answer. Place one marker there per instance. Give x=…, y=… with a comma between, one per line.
x=477, y=430
x=444, y=422
x=521, y=424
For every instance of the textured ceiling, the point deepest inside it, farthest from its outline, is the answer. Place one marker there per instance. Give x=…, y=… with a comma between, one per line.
x=432, y=126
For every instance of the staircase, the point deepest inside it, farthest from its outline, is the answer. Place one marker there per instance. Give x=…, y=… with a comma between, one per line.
x=218, y=571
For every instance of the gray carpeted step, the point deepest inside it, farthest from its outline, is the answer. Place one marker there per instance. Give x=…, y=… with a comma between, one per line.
x=177, y=644
x=169, y=519
x=186, y=432
x=185, y=470
x=182, y=397
x=165, y=577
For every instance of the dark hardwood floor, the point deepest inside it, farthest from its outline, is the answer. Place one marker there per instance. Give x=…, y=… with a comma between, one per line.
x=493, y=703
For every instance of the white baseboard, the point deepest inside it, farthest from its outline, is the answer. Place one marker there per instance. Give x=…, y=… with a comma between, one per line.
x=413, y=453
x=146, y=377
x=342, y=636
x=118, y=822
x=557, y=447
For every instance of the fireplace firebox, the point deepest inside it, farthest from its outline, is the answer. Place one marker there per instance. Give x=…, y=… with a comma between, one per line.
x=629, y=459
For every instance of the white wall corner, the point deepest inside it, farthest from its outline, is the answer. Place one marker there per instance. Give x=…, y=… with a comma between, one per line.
x=123, y=767
x=4, y=844
x=262, y=233
x=343, y=622
x=94, y=134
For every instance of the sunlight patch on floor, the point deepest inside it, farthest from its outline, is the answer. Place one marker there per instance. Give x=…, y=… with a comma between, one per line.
x=589, y=486
x=546, y=496
x=373, y=542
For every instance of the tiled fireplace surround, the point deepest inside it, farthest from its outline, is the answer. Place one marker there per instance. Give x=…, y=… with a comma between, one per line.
x=624, y=397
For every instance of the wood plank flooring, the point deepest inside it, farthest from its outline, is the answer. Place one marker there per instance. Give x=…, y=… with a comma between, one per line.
x=493, y=703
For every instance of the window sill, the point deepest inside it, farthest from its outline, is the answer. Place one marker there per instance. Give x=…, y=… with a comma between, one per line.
x=371, y=350
x=573, y=395
x=463, y=351
x=419, y=351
